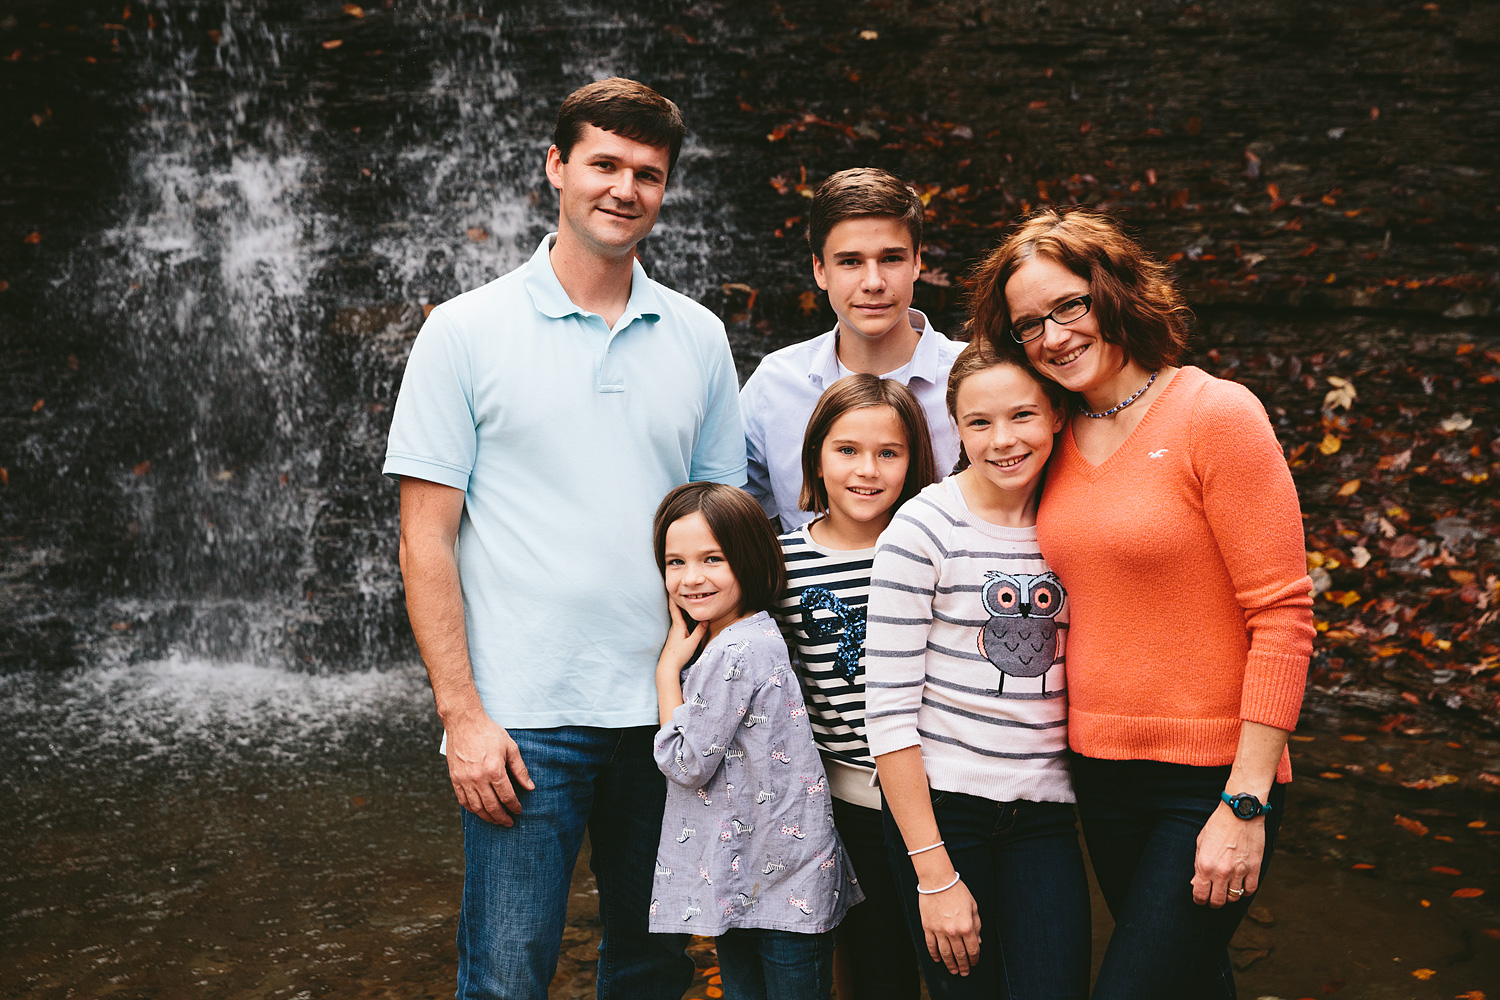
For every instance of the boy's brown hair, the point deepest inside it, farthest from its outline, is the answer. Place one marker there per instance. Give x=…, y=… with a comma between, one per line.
x=854, y=392
x=624, y=107
x=742, y=531
x=1136, y=304
x=862, y=191
x=978, y=356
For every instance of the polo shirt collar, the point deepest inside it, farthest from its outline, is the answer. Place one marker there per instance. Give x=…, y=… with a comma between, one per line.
x=925, y=361
x=551, y=300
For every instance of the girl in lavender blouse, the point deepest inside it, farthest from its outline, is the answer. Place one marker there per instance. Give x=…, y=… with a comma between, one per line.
x=748, y=852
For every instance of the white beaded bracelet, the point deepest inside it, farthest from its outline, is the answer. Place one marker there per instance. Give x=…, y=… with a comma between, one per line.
x=934, y=892
x=924, y=850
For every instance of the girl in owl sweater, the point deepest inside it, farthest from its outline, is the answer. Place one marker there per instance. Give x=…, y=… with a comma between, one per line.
x=967, y=706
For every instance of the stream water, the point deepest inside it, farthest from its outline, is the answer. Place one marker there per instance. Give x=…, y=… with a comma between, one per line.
x=222, y=222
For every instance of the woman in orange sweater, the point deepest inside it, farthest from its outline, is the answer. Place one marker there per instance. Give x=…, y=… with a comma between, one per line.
x=1171, y=517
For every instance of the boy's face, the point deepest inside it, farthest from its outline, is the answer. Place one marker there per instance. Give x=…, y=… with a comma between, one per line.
x=610, y=189
x=868, y=269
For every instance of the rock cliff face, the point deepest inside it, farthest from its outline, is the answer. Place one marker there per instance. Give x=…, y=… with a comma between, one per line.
x=220, y=230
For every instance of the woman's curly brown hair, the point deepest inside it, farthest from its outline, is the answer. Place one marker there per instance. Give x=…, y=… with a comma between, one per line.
x=1135, y=302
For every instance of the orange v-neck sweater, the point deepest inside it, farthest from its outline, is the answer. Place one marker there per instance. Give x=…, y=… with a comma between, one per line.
x=1183, y=558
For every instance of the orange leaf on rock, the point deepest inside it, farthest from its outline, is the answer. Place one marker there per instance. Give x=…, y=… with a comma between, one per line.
x=4, y=476
x=1330, y=444
x=1411, y=825
x=38, y=405
x=1444, y=870
x=477, y=233
x=808, y=302
x=1350, y=488
x=1471, y=995
x=1353, y=738
x=332, y=43
x=1330, y=775
x=1470, y=893
x=32, y=238
x=1493, y=932
x=1363, y=866
x=354, y=10
x=141, y=468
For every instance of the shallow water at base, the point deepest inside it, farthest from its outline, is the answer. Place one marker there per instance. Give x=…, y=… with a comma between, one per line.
x=185, y=828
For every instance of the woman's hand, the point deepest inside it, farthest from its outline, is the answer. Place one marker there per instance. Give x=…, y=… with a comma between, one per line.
x=1229, y=854
x=950, y=920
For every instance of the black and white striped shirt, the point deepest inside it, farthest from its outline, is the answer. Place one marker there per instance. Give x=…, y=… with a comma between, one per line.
x=823, y=615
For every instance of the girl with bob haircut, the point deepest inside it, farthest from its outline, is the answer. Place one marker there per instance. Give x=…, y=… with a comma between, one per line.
x=748, y=850
x=866, y=451
x=1171, y=518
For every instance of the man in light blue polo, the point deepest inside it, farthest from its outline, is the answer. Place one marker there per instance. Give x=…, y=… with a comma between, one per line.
x=541, y=419
x=865, y=233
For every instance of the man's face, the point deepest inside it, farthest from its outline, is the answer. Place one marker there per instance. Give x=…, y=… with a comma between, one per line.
x=610, y=189
x=868, y=269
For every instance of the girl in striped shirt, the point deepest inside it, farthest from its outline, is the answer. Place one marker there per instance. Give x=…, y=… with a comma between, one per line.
x=967, y=706
x=866, y=450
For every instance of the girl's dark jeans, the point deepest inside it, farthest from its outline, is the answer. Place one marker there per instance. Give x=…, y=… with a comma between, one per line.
x=1022, y=864
x=1141, y=820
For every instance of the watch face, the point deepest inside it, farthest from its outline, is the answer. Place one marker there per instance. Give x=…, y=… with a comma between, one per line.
x=1244, y=806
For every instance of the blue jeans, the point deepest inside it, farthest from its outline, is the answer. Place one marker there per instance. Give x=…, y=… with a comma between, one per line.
x=759, y=964
x=1141, y=820
x=516, y=879
x=1021, y=862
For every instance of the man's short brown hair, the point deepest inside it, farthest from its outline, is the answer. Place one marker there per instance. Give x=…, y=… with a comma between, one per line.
x=624, y=107
x=862, y=191
x=742, y=531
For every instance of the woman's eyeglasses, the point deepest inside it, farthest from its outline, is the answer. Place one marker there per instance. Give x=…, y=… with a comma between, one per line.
x=1070, y=311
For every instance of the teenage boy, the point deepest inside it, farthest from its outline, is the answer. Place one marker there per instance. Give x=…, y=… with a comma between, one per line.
x=865, y=233
x=541, y=419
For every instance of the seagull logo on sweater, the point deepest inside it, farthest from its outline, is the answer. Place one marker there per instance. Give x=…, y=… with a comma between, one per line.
x=1158, y=453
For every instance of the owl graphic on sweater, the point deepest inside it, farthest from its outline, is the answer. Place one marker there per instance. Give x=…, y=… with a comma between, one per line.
x=1020, y=638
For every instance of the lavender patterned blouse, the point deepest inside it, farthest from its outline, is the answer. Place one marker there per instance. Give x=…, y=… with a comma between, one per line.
x=747, y=839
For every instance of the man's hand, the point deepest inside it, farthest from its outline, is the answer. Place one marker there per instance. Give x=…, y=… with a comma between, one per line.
x=485, y=765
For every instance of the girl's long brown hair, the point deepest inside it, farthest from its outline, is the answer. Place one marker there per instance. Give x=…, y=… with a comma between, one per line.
x=853, y=392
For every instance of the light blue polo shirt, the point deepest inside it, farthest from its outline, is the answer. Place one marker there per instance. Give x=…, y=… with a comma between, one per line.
x=565, y=435
x=779, y=398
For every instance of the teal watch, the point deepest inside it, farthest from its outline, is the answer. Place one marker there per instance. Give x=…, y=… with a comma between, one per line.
x=1244, y=805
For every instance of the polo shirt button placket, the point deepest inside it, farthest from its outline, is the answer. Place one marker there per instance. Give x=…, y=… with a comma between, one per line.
x=608, y=380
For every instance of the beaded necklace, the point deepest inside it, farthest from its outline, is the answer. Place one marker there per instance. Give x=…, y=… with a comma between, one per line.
x=1121, y=405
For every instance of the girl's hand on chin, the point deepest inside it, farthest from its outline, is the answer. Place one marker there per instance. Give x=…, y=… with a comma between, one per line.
x=681, y=643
